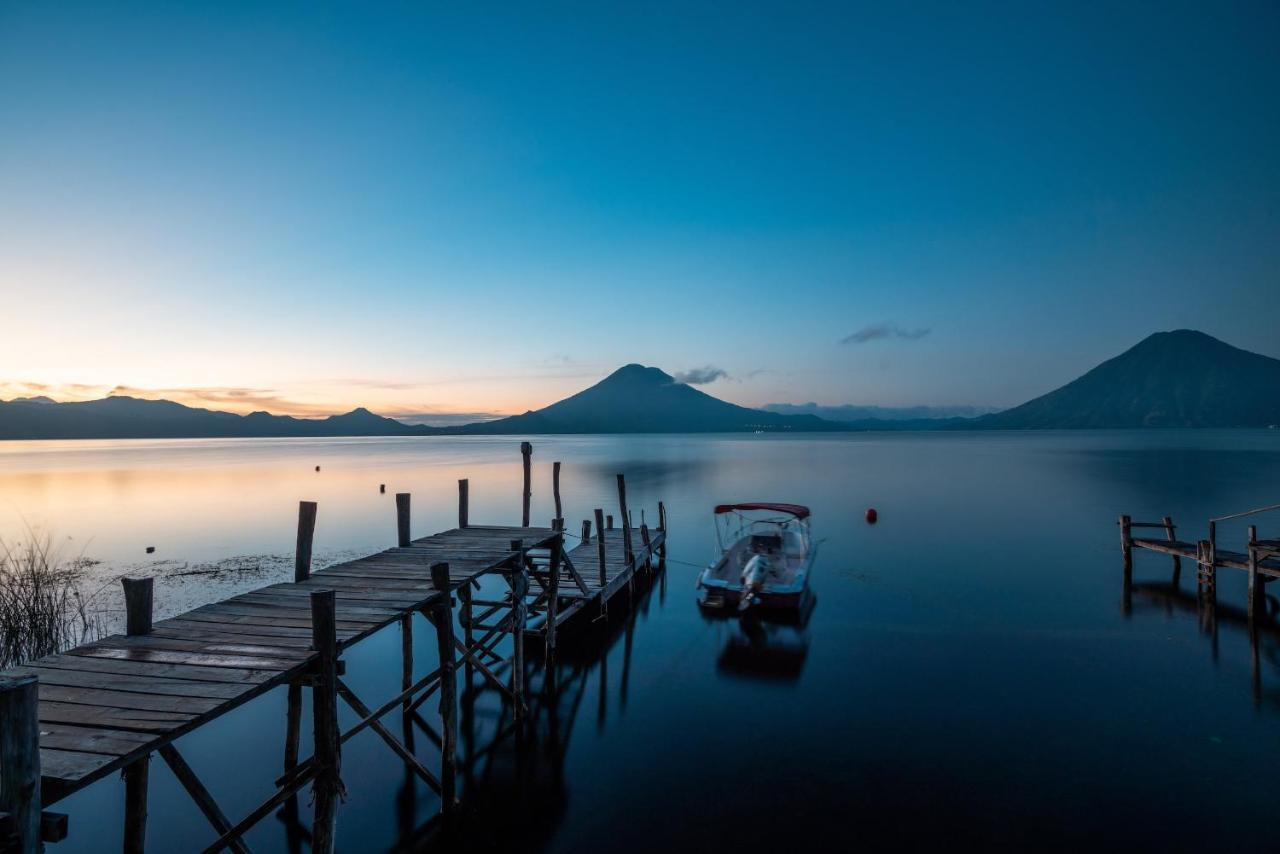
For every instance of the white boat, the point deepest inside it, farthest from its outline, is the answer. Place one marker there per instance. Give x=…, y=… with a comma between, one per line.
x=766, y=553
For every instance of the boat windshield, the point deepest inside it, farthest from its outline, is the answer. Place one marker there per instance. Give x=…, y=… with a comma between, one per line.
x=770, y=532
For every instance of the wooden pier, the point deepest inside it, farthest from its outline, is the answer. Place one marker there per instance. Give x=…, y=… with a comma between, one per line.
x=71, y=719
x=1260, y=559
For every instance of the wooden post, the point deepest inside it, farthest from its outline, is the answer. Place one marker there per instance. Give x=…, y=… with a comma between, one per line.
x=135, y=805
x=1256, y=594
x=626, y=524
x=1126, y=546
x=609, y=521
x=526, y=451
x=293, y=724
x=406, y=656
x=448, y=686
x=137, y=605
x=20, y=759
x=519, y=590
x=402, y=519
x=555, y=487
x=553, y=590
x=306, y=534
x=464, y=499
x=1177, y=561
x=648, y=549
x=586, y=531
x=327, y=786
x=600, y=546
x=662, y=526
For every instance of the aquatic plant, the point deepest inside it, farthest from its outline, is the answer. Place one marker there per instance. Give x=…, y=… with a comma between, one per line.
x=42, y=608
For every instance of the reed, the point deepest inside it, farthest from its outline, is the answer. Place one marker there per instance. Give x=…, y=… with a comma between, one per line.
x=42, y=609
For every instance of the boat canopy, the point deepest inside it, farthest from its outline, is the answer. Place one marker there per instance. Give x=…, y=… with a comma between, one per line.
x=797, y=510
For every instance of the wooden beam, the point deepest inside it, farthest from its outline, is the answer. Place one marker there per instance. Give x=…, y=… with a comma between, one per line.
x=448, y=687
x=1169, y=535
x=519, y=590
x=306, y=535
x=203, y=799
x=1257, y=598
x=600, y=549
x=20, y=759
x=135, y=805
x=553, y=592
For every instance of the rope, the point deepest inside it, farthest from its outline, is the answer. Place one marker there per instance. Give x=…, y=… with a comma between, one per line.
x=1246, y=513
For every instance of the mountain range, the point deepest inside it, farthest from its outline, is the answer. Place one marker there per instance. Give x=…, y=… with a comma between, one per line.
x=1170, y=379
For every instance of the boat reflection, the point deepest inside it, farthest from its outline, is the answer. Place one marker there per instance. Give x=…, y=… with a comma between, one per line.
x=766, y=646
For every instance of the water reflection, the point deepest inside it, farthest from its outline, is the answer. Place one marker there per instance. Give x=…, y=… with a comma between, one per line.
x=766, y=646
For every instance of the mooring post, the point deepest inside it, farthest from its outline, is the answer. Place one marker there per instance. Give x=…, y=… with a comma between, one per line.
x=553, y=588
x=306, y=535
x=135, y=805
x=555, y=487
x=1256, y=595
x=402, y=519
x=626, y=524
x=20, y=759
x=464, y=498
x=600, y=550
x=526, y=452
x=1126, y=547
x=519, y=590
x=406, y=656
x=1177, y=561
x=448, y=687
x=137, y=605
x=327, y=785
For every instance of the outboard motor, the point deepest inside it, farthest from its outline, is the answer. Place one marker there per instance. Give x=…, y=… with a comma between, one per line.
x=753, y=576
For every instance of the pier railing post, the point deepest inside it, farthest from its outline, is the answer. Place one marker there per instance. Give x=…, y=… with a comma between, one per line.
x=324, y=711
x=464, y=498
x=20, y=759
x=306, y=535
x=555, y=487
x=448, y=686
x=402, y=519
x=600, y=549
x=519, y=590
x=626, y=524
x=138, y=602
x=1256, y=595
x=1126, y=546
x=526, y=452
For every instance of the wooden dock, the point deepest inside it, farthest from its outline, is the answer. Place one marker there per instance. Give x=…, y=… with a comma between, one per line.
x=71, y=719
x=1260, y=559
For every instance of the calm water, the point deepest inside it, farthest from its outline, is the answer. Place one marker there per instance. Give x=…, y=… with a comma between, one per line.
x=968, y=676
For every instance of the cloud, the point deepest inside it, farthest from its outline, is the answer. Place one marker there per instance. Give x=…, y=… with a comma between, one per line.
x=701, y=376
x=876, y=331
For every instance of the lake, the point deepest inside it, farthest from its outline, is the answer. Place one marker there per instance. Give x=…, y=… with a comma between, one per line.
x=968, y=677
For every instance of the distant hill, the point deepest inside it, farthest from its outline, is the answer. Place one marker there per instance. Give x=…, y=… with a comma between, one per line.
x=1170, y=379
x=636, y=399
x=851, y=413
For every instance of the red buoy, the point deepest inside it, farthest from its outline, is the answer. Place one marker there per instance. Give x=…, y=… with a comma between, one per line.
x=871, y=515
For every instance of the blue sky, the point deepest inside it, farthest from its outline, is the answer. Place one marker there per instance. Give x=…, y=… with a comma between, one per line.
x=425, y=209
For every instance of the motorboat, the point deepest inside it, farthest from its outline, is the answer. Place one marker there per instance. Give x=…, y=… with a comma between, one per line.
x=766, y=552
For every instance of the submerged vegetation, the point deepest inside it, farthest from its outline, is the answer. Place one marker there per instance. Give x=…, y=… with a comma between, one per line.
x=42, y=607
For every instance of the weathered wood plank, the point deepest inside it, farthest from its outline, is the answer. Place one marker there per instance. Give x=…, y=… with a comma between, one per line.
x=143, y=685
x=94, y=696
x=111, y=742
x=71, y=764
x=140, y=720
x=196, y=673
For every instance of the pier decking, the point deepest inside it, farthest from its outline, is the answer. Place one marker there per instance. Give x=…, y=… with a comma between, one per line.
x=70, y=719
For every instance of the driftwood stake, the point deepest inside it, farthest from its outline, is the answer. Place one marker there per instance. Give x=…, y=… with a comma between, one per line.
x=306, y=535
x=448, y=687
x=402, y=519
x=526, y=452
x=137, y=605
x=20, y=759
x=464, y=500
x=324, y=711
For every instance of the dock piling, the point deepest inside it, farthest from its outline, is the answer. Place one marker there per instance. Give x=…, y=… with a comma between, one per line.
x=448, y=687
x=464, y=498
x=1177, y=561
x=600, y=543
x=519, y=590
x=1256, y=595
x=526, y=452
x=402, y=519
x=137, y=605
x=555, y=487
x=20, y=759
x=406, y=656
x=1126, y=547
x=135, y=805
x=553, y=586
x=327, y=785
x=626, y=522
x=306, y=534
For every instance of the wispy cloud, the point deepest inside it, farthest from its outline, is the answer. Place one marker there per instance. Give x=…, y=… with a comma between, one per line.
x=877, y=331
x=701, y=376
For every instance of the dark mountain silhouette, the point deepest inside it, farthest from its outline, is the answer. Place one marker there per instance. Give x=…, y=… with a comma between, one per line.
x=1170, y=379
x=636, y=399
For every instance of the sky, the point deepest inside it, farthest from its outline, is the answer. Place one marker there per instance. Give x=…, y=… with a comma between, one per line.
x=477, y=210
